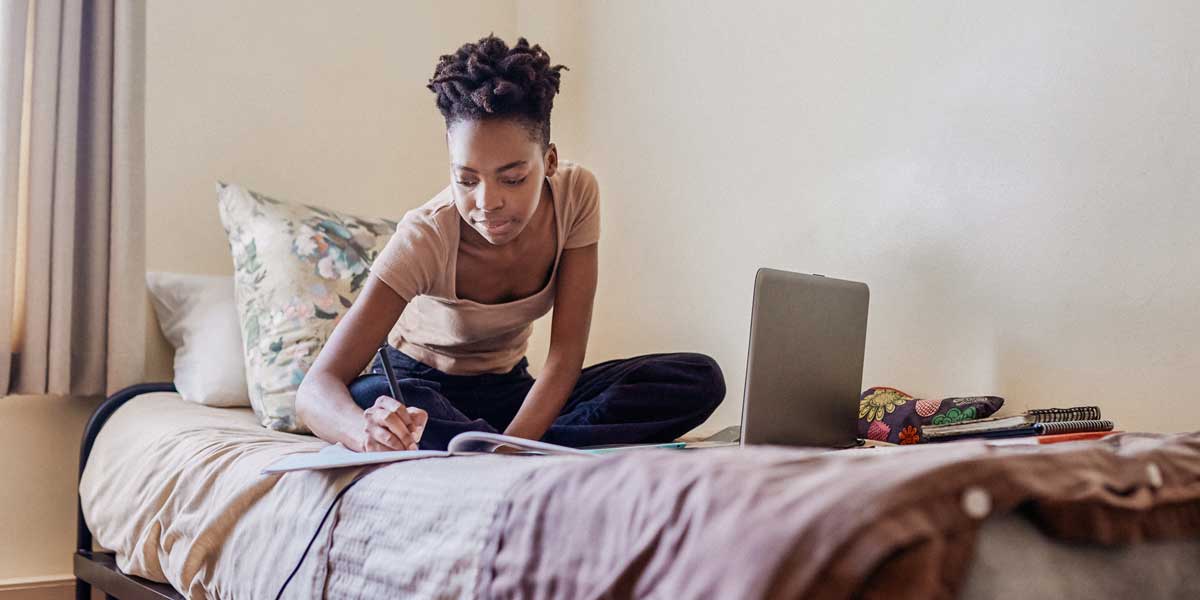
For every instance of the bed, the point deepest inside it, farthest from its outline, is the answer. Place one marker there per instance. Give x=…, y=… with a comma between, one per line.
x=171, y=494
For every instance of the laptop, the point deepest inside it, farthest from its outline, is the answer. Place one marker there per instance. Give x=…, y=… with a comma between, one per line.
x=804, y=367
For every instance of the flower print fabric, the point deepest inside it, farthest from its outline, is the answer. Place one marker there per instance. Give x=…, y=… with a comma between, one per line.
x=881, y=401
x=297, y=270
x=889, y=415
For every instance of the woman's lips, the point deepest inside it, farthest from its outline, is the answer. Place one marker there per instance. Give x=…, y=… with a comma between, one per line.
x=496, y=226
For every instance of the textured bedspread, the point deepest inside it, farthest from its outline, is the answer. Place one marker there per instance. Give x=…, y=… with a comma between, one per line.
x=786, y=523
x=174, y=489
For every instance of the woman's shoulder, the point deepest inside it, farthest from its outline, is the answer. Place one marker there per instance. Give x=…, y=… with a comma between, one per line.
x=574, y=175
x=581, y=204
x=432, y=220
x=415, y=257
x=429, y=229
x=578, y=184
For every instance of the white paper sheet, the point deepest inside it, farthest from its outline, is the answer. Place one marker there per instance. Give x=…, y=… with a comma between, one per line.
x=337, y=455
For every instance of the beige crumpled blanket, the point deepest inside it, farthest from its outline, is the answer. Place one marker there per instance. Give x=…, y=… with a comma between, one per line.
x=175, y=490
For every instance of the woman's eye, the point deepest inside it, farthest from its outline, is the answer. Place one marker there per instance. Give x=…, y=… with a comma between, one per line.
x=515, y=181
x=465, y=183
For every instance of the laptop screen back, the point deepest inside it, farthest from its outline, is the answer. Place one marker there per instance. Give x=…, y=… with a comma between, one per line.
x=804, y=367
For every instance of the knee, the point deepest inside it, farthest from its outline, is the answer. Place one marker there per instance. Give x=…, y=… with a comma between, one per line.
x=365, y=389
x=706, y=376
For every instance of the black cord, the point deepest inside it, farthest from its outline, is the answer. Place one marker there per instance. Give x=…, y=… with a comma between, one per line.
x=318, y=532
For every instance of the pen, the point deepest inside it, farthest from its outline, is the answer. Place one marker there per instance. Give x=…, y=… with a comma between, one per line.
x=390, y=373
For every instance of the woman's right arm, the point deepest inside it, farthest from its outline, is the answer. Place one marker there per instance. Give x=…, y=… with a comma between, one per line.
x=323, y=400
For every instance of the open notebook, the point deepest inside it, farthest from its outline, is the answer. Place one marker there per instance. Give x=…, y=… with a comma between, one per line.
x=466, y=443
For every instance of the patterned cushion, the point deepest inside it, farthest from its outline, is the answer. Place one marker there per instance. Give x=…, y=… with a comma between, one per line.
x=889, y=415
x=296, y=271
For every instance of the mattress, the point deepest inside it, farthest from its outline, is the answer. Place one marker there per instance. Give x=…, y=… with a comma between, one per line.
x=174, y=489
x=1013, y=559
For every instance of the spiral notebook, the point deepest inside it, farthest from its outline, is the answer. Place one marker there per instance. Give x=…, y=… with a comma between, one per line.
x=1032, y=429
x=1022, y=422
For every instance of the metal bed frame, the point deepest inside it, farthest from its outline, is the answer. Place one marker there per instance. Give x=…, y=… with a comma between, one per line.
x=99, y=569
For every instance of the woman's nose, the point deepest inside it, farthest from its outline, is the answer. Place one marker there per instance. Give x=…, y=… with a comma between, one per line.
x=488, y=200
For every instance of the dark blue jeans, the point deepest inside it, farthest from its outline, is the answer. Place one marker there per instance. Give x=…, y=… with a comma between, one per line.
x=651, y=398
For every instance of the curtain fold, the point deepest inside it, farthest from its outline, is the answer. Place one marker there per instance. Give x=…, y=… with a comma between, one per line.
x=13, y=23
x=84, y=298
x=127, y=245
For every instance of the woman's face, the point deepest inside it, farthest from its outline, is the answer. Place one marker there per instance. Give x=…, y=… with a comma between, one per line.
x=496, y=173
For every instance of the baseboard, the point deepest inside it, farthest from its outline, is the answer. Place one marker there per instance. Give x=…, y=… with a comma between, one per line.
x=58, y=587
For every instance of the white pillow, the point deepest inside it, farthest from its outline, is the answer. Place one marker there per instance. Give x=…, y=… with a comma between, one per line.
x=198, y=317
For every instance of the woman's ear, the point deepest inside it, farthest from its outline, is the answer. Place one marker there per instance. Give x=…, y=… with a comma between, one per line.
x=551, y=160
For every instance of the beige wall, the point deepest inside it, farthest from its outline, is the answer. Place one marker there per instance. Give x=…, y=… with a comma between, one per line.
x=316, y=102
x=39, y=463
x=1017, y=182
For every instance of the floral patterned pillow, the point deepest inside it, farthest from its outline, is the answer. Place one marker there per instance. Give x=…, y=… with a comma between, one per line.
x=889, y=415
x=297, y=269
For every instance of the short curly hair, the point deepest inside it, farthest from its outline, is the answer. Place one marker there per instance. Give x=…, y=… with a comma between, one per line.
x=489, y=80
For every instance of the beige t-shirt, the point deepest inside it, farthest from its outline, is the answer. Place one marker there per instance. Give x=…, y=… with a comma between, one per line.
x=460, y=336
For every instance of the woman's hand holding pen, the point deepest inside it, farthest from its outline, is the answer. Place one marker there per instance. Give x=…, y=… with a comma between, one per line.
x=392, y=426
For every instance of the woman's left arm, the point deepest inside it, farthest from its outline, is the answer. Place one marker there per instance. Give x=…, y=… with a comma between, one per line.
x=572, y=321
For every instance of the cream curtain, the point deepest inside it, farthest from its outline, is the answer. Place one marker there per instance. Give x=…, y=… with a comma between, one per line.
x=72, y=297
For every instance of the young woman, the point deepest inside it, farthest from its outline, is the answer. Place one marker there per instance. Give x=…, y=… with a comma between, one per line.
x=456, y=290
